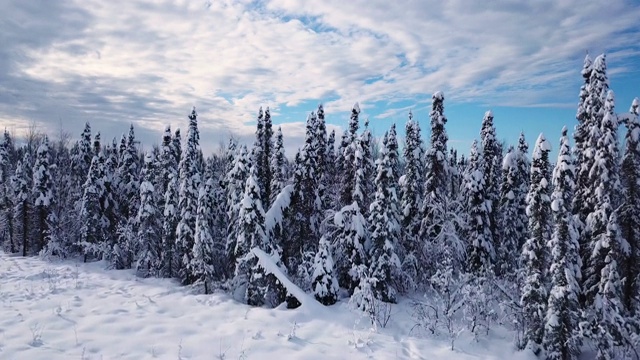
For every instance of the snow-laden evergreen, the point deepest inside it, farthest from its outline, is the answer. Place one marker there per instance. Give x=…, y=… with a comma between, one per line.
x=534, y=252
x=589, y=136
x=630, y=211
x=480, y=253
x=411, y=189
x=93, y=222
x=508, y=248
x=324, y=282
x=189, y=184
x=235, y=182
x=384, y=229
x=128, y=173
x=42, y=194
x=491, y=158
x=204, y=255
x=347, y=147
x=168, y=163
x=561, y=341
x=278, y=167
x=436, y=184
x=604, y=185
x=261, y=153
x=605, y=322
x=148, y=220
x=20, y=187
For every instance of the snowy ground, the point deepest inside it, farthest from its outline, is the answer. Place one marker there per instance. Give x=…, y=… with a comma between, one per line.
x=71, y=310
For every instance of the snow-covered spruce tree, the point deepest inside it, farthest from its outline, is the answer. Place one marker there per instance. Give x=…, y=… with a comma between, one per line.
x=384, y=229
x=165, y=164
x=93, y=222
x=321, y=140
x=331, y=176
x=236, y=180
x=62, y=218
x=177, y=145
x=97, y=145
x=561, y=341
x=202, y=263
x=250, y=280
x=301, y=229
x=128, y=172
x=436, y=185
x=149, y=256
x=169, y=204
x=522, y=182
x=605, y=323
x=189, y=183
x=507, y=251
x=534, y=255
x=324, y=282
x=278, y=167
x=580, y=138
x=368, y=167
x=604, y=190
x=351, y=235
x=411, y=187
x=261, y=153
x=42, y=194
x=630, y=211
x=81, y=158
x=480, y=251
x=7, y=161
x=21, y=202
x=594, y=112
x=348, y=171
x=492, y=158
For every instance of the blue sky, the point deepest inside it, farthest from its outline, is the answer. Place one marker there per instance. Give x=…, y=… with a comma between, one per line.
x=147, y=62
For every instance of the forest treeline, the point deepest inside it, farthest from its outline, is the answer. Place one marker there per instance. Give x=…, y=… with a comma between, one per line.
x=553, y=244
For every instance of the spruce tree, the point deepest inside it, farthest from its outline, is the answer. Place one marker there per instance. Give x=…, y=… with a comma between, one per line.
x=235, y=186
x=436, y=185
x=522, y=182
x=278, y=168
x=149, y=257
x=202, y=263
x=411, y=189
x=604, y=192
x=7, y=160
x=324, y=282
x=585, y=203
x=42, y=194
x=249, y=279
x=534, y=262
x=189, y=183
x=561, y=341
x=348, y=170
x=491, y=156
x=605, y=323
x=480, y=249
x=630, y=211
x=92, y=232
x=384, y=230
x=21, y=202
x=128, y=172
x=507, y=250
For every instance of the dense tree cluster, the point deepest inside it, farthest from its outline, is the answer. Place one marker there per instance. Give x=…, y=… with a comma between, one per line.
x=559, y=243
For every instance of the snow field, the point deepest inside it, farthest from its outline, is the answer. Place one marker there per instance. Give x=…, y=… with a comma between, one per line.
x=71, y=310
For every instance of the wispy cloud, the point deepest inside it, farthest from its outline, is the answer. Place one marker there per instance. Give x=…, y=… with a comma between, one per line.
x=147, y=62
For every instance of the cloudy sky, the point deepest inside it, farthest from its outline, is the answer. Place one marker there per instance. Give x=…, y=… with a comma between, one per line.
x=145, y=62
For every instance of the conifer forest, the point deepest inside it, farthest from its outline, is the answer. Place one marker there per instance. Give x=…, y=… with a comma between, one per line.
x=504, y=233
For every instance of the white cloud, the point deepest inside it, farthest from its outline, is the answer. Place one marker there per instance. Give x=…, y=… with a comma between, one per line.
x=148, y=61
